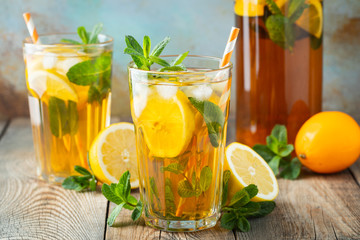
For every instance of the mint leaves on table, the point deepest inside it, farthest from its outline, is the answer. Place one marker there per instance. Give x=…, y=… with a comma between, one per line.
x=85, y=36
x=86, y=181
x=277, y=153
x=63, y=119
x=213, y=117
x=281, y=27
x=240, y=207
x=120, y=195
x=143, y=58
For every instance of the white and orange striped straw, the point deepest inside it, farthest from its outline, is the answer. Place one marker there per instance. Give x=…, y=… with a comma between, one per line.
x=31, y=27
x=229, y=47
x=225, y=61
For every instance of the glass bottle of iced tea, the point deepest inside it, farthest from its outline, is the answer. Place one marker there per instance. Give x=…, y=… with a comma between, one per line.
x=278, y=66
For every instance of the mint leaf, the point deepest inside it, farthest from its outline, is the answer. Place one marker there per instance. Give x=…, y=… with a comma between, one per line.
x=159, y=61
x=91, y=71
x=205, y=178
x=114, y=214
x=272, y=143
x=213, y=117
x=170, y=206
x=160, y=47
x=132, y=43
x=65, y=40
x=185, y=189
x=274, y=164
x=146, y=46
x=95, y=32
x=133, y=52
x=228, y=220
x=73, y=118
x=243, y=224
x=252, y=190
x=82, y=170
x=179, y=59
x=136, y=214
x=109, y=193
x=58, y=117
x=280, y=133
x=264, y=152
x=173, y=68
x=292, y=171
x=226, y=178
x=124, y=187
x=248, y=209
x=273, y=7
x=285, y=150
x=83, y=35
x=280, y=31
x=173, y=167
x=265, y=208
x=71, y=183
x=239, y=199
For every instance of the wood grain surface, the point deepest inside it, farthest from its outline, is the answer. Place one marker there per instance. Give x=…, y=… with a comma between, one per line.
x=312, y=207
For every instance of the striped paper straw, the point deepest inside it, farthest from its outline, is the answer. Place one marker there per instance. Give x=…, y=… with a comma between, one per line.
x=31, y=27
x=229, y=47
x=225, y=62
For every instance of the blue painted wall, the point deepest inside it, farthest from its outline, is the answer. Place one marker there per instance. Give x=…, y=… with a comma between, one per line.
x=200, y=26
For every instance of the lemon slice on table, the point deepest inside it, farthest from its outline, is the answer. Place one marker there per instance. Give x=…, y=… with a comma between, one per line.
x=312, y=18
x=167, y=123
x=248, y=167
x=54, y=84
x=113, y=152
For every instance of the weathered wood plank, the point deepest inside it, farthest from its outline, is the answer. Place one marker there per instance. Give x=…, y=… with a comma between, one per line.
x=33, y=209
x=313, y=207
x=355, y=170
x=125, y=228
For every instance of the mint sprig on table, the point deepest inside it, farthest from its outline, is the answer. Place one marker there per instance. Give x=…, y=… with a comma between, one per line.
x=86, y=181
x=281, y=27
x=144, y=59
x=277, y=153
x=119, y=193
x=240, y=207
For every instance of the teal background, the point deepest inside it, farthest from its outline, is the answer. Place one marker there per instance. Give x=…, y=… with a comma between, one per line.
x=201, y=26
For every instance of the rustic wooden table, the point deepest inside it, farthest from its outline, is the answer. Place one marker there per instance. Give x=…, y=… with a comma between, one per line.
x=313, y=207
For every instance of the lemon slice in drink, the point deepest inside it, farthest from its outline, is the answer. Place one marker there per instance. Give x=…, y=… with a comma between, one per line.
x=168, y=124
x=248, y=167
x=312, y=18
x=54, y=84
x=113, y=152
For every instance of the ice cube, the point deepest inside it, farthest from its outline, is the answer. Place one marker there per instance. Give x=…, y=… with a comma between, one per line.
x=139, y=103
x=201, y=93
x=34, y=111
x=49, y=60
x=64, y=65
x=166, y=91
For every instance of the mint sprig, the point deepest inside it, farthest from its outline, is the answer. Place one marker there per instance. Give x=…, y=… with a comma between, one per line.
x=277, y=153
x=86, y=181
x=63, y=119
x=120, y=195
x=85, y=36
x=281, y=27
x=144, y=59
x=213, y=117
x=240, y=207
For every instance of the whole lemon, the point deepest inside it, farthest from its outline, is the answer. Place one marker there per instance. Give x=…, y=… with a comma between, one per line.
x=328, y=142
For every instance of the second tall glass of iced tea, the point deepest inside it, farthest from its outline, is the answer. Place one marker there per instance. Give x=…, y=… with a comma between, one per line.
x=180, y=120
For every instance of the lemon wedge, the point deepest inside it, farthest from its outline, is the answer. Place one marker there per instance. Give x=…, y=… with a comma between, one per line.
x=312, y=18
x=247, y=167
x=54, y=84
x=167, y=123
x=113, y=152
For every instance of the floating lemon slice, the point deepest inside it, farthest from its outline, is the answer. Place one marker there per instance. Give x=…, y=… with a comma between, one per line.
x=247, y=167
x=253, y=8
x=54, y=84
x=168, y=124
x=312, y=18
x=113, y=152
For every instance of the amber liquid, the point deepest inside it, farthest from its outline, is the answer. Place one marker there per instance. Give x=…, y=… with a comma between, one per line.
x=274, y=85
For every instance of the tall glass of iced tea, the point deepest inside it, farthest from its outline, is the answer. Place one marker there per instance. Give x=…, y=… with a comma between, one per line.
x=278, y=66
x=69, y=89
x=180, y=122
